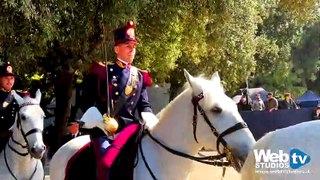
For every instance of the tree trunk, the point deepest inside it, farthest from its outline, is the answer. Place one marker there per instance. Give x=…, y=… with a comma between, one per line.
x=63, y=91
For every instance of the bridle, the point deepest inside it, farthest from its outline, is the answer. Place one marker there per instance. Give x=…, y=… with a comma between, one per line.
x=227, y=150
x=24, y=135
x=216, y=160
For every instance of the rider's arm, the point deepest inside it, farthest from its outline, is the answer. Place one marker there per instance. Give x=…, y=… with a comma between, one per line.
x=143, y=102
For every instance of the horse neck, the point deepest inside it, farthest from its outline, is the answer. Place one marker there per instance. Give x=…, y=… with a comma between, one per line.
x=174, y=130
x=21, y=166
x=175, y=125
x=17, y=136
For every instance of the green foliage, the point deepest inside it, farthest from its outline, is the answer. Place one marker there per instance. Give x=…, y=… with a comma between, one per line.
x=235, y=38
x=281, y=29
x=159, y=32
x=231, y=42
x=306, y=57
x=202, y=37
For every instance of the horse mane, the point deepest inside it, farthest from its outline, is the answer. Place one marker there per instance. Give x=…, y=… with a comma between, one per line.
x=163, y=112
x=207, y=87
x=29, y=100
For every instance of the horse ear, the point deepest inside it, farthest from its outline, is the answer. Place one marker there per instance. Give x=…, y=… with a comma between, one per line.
x=17, y=97
x=188, y=77
x=38, y=96
x=196, y=88
x=215, y=77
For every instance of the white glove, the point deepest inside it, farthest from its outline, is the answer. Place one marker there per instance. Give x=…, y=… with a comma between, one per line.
x=92, y=118
x=150, y=119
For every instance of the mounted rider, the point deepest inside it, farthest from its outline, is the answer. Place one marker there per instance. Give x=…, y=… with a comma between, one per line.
x=8, y=105
x=120, y=94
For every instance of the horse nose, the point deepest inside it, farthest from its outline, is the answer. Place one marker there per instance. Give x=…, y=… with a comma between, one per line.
x=38, y=149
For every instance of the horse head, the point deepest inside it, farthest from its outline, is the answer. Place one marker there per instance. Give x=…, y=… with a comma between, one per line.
x=216, y=117
x=28, y=126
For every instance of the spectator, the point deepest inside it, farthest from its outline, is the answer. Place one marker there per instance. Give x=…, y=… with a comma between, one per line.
x=257, y=103
x=272, y=103
x=73, y=131
x=288, y=102
x=316, y=113
x=244, y=104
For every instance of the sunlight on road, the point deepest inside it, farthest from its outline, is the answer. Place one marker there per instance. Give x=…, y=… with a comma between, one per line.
x=206, y=172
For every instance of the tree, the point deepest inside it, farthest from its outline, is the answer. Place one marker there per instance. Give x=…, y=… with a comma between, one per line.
x=202, y=36
x=280, y=30
x=306, y=58
x=57, y=35
x=58, y=39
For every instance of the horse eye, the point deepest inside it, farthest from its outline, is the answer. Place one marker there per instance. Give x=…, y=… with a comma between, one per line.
x=216, y=109
x=23, y=117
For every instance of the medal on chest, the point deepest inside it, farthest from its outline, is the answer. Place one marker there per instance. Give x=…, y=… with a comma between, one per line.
x=5, y=104
x=128, y=90
x=133, y=80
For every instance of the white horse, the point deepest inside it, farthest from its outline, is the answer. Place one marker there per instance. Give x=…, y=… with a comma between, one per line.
x=20, y=159
x=297, y=148
x=215, y=115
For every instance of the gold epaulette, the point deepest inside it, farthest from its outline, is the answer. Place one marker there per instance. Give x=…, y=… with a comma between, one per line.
x=110, y=63
x=104, y=63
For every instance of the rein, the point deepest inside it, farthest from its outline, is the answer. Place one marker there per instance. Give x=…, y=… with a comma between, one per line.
x=216, y=160
x=24, y=135
x=205, y=160
x=6, y=161
x=195, y=101
x=209, y=160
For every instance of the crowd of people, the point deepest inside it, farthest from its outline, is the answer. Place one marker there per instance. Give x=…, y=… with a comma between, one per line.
x=271, y=103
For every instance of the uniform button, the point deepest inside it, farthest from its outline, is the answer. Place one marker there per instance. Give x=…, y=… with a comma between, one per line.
x=114, y=77
x=115, y=84
x=131, y=102
x=133, y=94
x=117, y=93
x=1, y=117
x=111, y=69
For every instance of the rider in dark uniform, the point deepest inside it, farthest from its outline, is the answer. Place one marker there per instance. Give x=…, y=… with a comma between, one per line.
x=119, y=82
x=8, y=105
x=127, y=97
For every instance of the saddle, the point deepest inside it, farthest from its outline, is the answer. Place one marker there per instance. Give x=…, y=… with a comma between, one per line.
x=117, y=162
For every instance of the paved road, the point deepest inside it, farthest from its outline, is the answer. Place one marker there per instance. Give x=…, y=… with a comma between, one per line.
x=205, y=172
